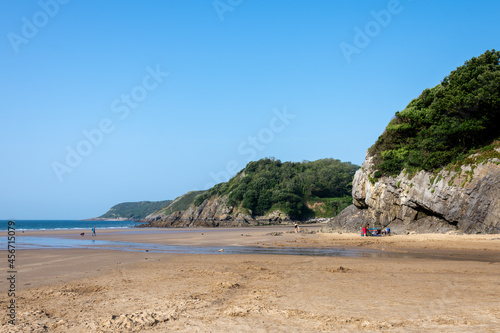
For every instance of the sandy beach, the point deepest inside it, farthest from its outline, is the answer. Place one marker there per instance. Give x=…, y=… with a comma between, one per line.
x=411, y=283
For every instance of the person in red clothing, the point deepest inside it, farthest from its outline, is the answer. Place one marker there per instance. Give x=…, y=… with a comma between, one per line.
x=364, y=231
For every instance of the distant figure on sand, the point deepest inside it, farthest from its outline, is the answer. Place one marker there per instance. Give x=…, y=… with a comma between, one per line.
x=297, y=228
x=93, y=231
x=363, y=229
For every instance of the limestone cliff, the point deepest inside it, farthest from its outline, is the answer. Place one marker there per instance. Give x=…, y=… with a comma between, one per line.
x=212, y=212
x=465, y=199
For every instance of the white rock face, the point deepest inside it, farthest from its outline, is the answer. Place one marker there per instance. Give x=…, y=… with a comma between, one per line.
x=467, y=201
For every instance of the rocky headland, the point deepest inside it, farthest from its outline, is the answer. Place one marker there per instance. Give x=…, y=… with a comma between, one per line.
x=265, y=192
x=131, y=211
x=212, y=212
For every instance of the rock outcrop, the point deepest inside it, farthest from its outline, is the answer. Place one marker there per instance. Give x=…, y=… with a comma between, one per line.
x=213, y=212
x=465, y=200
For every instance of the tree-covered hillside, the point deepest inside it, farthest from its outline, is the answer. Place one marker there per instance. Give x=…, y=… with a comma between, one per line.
x=319, y=188
x=445, y=123
x=134, y=210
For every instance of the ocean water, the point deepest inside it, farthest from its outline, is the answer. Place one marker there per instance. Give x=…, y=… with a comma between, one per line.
x=65, y=224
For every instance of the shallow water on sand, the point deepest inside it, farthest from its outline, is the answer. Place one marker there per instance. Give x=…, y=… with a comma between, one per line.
x=54, y=242
x=63, y=242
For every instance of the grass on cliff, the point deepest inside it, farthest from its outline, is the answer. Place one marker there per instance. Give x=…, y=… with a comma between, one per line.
x=445, y=123
x=474, y=158
x=182, y=203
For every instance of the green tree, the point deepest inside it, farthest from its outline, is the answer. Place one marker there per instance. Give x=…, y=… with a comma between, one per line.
x=445, y=122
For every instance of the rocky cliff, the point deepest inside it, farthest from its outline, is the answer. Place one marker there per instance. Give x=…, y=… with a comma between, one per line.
x=213, y=212
x=465, y=199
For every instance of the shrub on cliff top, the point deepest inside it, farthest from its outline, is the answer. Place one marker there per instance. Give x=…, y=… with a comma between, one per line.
x=445, y=122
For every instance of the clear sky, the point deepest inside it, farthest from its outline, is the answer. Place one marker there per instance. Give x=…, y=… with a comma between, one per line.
x=111, y=101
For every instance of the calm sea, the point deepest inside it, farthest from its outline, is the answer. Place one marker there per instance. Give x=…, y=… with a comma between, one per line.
x=66, y=224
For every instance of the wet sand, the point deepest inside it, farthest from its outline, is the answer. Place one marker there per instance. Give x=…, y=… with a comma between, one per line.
x=448, y=283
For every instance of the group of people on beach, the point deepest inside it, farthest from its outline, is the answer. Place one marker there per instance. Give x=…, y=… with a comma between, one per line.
x=366, y=231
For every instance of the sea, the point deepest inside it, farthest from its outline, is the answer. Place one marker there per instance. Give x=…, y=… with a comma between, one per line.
x=24, y=225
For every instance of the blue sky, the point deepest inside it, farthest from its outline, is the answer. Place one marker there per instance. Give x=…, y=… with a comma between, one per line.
x=176, y=95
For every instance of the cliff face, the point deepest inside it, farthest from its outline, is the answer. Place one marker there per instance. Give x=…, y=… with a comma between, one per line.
x=465, y=200
x=213, y=212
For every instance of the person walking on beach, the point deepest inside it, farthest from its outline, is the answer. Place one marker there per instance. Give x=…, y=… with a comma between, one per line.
x=93, y=231
x=364, y=231
x=297, y=229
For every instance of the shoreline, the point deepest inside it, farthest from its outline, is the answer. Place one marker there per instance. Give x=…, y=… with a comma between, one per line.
x=276, y=236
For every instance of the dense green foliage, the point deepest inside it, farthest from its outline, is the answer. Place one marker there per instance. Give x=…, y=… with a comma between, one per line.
x=134, y=210
x=269, y=184
x=182, y=203
x=446, y=122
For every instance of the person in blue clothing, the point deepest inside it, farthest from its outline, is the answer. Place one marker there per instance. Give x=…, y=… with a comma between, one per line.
x=93, y=231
